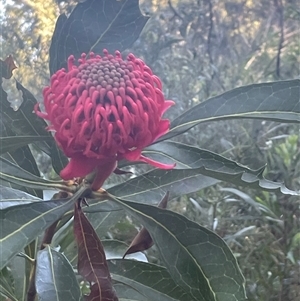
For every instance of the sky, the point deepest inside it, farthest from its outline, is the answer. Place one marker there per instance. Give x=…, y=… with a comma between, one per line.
x=2, y=2
x=2, y=5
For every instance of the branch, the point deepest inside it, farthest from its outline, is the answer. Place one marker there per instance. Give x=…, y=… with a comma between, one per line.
x=209, y=35
x=279, y=6
x=174, y=10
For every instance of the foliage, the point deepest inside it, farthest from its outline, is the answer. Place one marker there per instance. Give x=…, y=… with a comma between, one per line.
x=39, y=250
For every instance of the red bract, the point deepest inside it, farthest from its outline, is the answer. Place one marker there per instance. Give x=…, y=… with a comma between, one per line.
x=103, y=110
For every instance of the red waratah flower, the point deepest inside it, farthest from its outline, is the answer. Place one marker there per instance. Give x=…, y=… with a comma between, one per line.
x=103, y=110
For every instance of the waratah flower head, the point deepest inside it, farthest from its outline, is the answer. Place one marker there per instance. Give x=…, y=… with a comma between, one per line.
x=102, y=110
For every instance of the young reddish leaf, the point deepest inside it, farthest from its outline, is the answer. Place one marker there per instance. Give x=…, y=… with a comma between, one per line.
x=92, y=263
x=7, y=66
x=143, y=240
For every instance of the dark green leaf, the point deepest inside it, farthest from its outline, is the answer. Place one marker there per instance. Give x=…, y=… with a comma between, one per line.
x=9, y=171
x=198, y=260
x=20, y=156
x=12, y=143
x=54, y=64
x=213, y=165
x=12, y=197
x=55, y=278
x=101, y=223
x=20, y=270
x=24, y=122
x=8, y=194
x=278, y=101
x=152, y=186
x=23, y=158
x=22, y=224
x=126, y=293
x=96, y=206
x=94, y=25
x=6, y=284
x=143, y=240
x=59, y=160
x=152, y=281
x=115, y=249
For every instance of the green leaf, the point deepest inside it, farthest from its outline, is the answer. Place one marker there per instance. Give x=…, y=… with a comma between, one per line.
x=20, y=270
x=23, y=158
x=115, y=249
x=12, y=143
x=12, y=197
x=126, y=293
x=34, y=125
x=6, y=284
x=198, y=260
x=9, y=171
x=22, y=224
x=213, y=165
x=55, y=278
x=94, y=25
x=101, y=223
x=102, y=216
x=152, y=281
x=59, y=160
x=277, y=101
x=24, y=122
x=152, y=186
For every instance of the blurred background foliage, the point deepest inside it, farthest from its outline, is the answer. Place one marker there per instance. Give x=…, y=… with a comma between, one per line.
x=201, y=48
